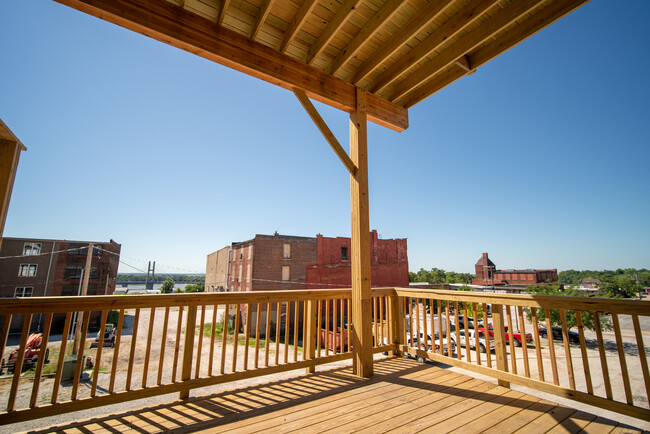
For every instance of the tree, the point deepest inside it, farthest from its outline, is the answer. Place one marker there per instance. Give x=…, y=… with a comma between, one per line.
x=620, y=287
x=167, y=287
x=199, y=287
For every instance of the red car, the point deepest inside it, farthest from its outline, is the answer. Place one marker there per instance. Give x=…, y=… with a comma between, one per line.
x=517, y=336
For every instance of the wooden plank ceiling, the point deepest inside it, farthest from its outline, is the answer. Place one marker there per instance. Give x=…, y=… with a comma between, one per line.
x=400, y=51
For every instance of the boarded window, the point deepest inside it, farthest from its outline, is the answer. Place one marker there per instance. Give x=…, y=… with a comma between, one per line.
x=249, y=273
x=250, y=251
x=286, y=251
x=286, y=273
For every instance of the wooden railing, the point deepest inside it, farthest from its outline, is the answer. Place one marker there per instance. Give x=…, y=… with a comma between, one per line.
x=595, y=368
x=178, y=342
x=173, y=343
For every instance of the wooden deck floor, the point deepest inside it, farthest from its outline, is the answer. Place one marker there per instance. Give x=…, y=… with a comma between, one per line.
x=404, y=396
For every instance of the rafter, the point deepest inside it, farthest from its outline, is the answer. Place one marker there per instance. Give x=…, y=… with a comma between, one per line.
x=448, y=30
x=387, y=11
x=264, y=12
x=501, y=19
x=494, y=48
x=332, y=27
x=297, y=22
x=222, y=11
x=168, y=23
x=408, y=31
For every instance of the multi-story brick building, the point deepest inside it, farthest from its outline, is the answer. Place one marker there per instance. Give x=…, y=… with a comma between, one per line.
x=36, y=267
x=487, y=274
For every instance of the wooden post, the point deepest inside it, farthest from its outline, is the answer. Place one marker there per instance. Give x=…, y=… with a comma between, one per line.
x=361, y=289
x=311, y=318
x=10, y=148
x=396, y=315
x=500, y=341
x=188, y=348
x=84, y=291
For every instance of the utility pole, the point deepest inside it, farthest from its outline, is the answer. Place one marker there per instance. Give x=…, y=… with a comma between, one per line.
x=84, y=291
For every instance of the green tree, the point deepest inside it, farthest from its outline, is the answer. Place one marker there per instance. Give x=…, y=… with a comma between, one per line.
x=167, y=287
x=199, y=287
x=623, y=286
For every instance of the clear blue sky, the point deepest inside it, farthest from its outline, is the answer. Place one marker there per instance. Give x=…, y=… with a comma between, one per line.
x=540, y=158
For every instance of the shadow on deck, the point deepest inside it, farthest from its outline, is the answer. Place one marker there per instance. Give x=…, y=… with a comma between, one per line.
x=403, y=395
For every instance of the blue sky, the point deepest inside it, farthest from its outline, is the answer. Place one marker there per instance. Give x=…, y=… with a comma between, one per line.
x=539, y=158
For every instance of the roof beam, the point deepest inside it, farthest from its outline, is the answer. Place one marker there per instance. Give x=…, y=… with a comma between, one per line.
x=297, y=23
x=388, y=11
x=448, y=30
x=419, y=21
x=479, y=57
x=500, y=19
x=264, y=12
x=172, y=25
x=334, y=26
x=222, y=11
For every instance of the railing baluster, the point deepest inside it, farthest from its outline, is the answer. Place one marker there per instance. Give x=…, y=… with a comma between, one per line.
x=278, y=317
x=327, y=327
x=382, y=330
x=258, y=320
x=163, y=344
x=567, y=350
x=80, y=358
x=134, y=336
x=236, y=336
x=511, y=340
x=18, y=365
x=500, y=341
x=304, y=329
x=116, y=351
x=468, y=351
x=583, y=352
x=98, y=355
x=59, y=366
x=538, y=344
x=642, y=355
x=440, y=333
x=487, y=336
x=319, y=327
x=179, y=326
x=4, y=334
x=349, y=303
x=145, y=369
x=417, y=319
x=287, y=323
x=450, y=349
x=477, y=341
x=603, y=357
x=295, y=330
x=199, y=348
x=457, y=322
x=524, y=343
x=309, y=338
x=188, y=348
x=224, y=339
x=247, y=334
x=267, y=334
x=621, y=358
x=42, y=352
x=424, y=325
x=551, y=345
x=432, y=323
x=335, y=326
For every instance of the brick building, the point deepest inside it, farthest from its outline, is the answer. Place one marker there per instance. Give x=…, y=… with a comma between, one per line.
x=488, y=274
x=36, y=267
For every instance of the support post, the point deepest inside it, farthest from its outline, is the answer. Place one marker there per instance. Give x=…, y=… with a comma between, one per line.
x=188, y=348
x=10, y=148
x=361, y=286
x=84, y=291
x=396, y=315
x=500, y=341
x=311, y=316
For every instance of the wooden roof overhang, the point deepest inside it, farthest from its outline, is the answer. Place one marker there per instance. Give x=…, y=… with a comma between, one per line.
x=399, y=51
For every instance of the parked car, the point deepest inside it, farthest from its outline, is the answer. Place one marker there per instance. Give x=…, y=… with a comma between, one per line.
x=470, y=322
x=574, y=337
x=445, y=344
x=471, y=337
x=412, y=341
x=31, y=354
x=109, y=337
x=518, y=339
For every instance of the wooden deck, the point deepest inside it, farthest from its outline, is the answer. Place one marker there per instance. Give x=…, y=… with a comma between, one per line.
x=403, y=395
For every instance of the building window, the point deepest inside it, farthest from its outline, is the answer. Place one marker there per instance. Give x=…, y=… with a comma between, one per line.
x=250, y=251
x=27, y=270
x=26, y=291
x=81, y=249
x=241, y=254
x=75, y=271
x=344, y=253
x=32, y=249
x=286, y=251
x=286, y=273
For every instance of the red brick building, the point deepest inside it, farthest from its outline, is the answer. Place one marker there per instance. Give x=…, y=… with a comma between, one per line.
x=487, y=274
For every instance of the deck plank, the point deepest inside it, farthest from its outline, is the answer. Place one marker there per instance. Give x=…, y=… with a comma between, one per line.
x=403, y=396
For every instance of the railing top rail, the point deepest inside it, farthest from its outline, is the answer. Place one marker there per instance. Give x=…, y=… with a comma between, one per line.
x=110, y=302
x=610, y=305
